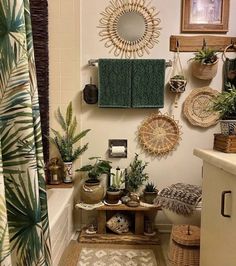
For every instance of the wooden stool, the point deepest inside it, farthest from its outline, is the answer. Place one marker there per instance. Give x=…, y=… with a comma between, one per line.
x=184, y=245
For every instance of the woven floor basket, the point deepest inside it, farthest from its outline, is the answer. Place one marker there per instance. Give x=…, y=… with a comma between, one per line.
x=204, y=71
x=184, y=247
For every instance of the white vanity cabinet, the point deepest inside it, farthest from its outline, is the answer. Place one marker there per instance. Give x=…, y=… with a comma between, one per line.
x=218, y=220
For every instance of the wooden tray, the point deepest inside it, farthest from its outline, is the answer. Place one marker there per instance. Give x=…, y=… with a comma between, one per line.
x=225, y=143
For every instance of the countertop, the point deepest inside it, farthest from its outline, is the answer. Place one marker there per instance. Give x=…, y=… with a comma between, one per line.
x=225, y=161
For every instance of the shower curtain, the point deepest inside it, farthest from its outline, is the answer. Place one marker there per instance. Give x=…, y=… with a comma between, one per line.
x=24, y=228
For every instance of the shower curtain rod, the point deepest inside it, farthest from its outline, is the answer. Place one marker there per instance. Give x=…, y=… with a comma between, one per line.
x=91, y=62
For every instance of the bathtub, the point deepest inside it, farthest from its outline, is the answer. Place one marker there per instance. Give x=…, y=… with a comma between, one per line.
x=60, y=208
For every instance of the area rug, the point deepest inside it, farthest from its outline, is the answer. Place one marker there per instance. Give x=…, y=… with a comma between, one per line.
x=120, y=255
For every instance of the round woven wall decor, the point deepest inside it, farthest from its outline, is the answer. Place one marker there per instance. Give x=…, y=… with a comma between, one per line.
x=120, y=45
x=197, y=107
x=159, y=134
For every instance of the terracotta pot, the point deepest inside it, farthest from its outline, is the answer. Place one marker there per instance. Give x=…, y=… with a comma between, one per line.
x=113, y=197
x=92, y=193
x=149, y=196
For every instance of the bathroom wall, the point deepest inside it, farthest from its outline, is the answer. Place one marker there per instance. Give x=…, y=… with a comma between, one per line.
x=74, y=40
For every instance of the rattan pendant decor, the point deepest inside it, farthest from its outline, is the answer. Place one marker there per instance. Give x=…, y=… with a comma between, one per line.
x=197, y=107
x=159, y=134
x=129, y=28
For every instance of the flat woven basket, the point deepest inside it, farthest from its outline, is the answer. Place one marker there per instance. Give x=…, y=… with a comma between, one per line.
x=184, y=246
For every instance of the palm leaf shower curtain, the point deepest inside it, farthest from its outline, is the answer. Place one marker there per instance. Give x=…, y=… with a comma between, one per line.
x=24, y=229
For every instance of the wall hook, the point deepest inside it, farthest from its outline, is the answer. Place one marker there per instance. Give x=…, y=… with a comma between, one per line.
x=204, y=43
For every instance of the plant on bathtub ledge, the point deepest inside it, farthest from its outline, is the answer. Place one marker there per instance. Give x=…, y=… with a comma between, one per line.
x=66, y=143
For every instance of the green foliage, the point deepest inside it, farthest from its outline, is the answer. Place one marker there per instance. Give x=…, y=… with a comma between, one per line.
x=150, y=187
x=135, y=175
x=65, y=143
x=97, y=169
x=113, y=189
x=205, y=56
x=181, y=77
x=225, y=102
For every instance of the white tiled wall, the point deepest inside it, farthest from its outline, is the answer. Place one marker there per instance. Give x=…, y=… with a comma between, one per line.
x=64, y=65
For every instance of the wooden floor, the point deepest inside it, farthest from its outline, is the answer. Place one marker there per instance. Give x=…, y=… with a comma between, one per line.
x=71, y=254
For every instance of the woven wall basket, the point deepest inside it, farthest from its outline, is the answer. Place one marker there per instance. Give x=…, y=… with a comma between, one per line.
x=204, y=71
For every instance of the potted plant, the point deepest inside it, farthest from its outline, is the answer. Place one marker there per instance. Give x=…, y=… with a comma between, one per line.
x=92, y=191
x=205, y=64
x=225, y=105
x=65, y=142
x=135, y=175
x=177, y=83
x=149, y=192
x=114, y=191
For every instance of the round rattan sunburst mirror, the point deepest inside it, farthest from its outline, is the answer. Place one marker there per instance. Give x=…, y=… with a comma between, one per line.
x=130, y=28
x=159, y=134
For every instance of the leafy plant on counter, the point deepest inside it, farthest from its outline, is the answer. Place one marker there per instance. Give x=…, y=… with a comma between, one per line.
x=150, y=187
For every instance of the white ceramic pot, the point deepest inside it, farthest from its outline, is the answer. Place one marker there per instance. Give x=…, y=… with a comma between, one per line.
x=68, y=176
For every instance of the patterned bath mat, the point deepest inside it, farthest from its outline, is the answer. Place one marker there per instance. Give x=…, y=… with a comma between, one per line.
x=118, y=255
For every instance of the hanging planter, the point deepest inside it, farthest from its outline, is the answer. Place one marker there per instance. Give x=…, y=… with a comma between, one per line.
x=204, y=71
x=177, y=82
x=204, y=63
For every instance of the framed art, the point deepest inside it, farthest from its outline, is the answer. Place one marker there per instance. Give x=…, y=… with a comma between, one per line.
x=205, y=16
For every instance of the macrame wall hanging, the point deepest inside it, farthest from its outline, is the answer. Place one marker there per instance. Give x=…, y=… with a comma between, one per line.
x=130, y=28
x=159, y=134
x=177, y=81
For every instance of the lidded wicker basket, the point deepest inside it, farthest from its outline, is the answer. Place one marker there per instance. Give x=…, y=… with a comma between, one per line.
x=184, y=246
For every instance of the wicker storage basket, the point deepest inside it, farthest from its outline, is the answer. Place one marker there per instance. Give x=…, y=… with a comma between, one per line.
x=204, y=71
x=184, y=246
x=225, y=143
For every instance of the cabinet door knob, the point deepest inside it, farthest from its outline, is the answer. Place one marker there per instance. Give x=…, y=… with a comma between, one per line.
x=224, y=193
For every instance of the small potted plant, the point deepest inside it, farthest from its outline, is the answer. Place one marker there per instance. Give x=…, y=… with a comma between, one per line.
x=92, y=191
x=149, y=192
x=65, y=143
x=225, y=105
x=135, y=175
x=205, y=64
x=177, y=83
x=114, y=191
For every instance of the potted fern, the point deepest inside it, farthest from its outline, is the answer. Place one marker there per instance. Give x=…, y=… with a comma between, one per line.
x=149, y=192
x=225, y=105
x=65, y=143
x=204, y=63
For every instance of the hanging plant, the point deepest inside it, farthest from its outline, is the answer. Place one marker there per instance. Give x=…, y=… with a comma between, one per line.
x=177, y=82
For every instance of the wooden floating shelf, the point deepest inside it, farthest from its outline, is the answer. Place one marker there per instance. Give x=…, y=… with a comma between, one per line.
x=195, y=42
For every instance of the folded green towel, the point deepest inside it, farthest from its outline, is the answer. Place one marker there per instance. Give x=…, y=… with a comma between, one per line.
x=114, y=83
x=148, y=81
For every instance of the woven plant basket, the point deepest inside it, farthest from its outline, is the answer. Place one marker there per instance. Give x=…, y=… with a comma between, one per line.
x=204, y=71
x=184, y=247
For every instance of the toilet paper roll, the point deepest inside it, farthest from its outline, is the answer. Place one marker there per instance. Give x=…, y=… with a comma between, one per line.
x=117, y=150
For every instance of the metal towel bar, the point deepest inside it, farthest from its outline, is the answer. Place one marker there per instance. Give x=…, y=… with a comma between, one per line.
x=92, y=62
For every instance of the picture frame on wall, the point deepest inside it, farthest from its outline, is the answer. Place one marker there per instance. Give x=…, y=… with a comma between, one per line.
x=205, y=16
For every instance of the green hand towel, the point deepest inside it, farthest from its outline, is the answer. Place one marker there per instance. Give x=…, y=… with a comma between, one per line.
x=114, y=83
x=148, y=81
